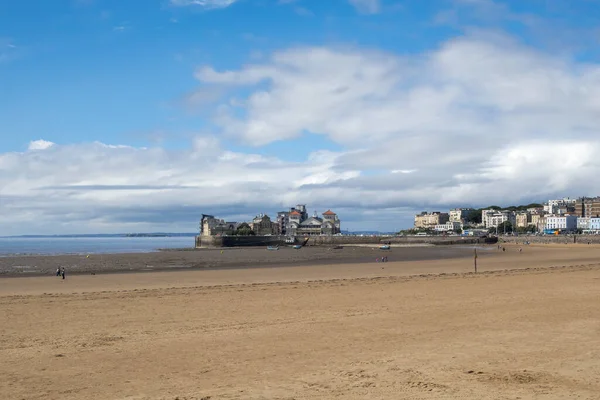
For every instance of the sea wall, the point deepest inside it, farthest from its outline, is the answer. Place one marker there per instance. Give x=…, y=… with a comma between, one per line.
x=438, y=240
x=239, y=241
x=247, y=241
x=551, y=239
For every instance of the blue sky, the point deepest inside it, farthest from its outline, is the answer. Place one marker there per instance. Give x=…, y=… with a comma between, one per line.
x=377, y=109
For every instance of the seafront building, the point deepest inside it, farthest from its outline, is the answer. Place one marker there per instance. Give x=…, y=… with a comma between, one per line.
x=594, y=224
x=461, y=214
x=294, y=222
x=587, y=207
x=567, y=223
x=493, y=218
x=583, y=223
x=560, y=206
x=450, y=226
x=522, y=219
x=559, y=215
x=211, y=226
x=539, y=221
x=430, y=220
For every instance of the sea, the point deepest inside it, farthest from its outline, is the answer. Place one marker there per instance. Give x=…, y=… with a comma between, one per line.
x=90, y=245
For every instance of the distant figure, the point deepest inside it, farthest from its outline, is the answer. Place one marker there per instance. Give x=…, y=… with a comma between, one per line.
x=520, y=250
x=58, y=271
x=63, y=272
x=503, y=249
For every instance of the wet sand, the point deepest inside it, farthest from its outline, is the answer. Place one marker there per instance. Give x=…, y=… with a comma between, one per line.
x=525, y=327
x=219, y=258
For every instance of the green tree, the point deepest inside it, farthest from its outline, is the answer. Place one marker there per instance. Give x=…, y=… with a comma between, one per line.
x=505, y=227
x=244, y=230
x=474, y=217
x=531, y=229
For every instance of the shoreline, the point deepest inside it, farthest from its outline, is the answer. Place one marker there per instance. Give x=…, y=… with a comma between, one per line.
x=244, y=258
x=421, y=265
x=219, y=259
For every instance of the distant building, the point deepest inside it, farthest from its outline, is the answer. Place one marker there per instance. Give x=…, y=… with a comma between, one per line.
x=211, y=226
x=310, y=226
x=475, y=232
x=450, y=226
x=296, y=222
x=291, y=223
x=460, y=214
x=594, y=224
x=485, y=215
x=567, y=223
x=262, y=225
x=282, y=221
x=427, y=220
x=560, y=206
x=331, y=223
x=539, y=221
x=583, y=223
x=522, y=219
x=587, y=207
x=493, y=218
x=535, y=210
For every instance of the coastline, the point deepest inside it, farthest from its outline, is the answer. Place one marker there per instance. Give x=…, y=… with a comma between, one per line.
x=216, y=259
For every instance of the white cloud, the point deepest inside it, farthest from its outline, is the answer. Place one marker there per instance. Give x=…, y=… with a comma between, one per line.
x=479, y=120
x=467, y=89
x=206, y=4
x=40, y=145
x=449, y=116
x=366, y=6
x=100, y=187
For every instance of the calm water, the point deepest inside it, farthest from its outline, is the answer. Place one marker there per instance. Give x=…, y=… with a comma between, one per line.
x=12, y=246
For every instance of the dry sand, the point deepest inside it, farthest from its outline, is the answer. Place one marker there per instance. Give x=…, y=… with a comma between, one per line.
x=526, y=327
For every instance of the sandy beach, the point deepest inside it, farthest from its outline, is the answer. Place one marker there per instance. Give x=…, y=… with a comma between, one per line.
x=525, y=327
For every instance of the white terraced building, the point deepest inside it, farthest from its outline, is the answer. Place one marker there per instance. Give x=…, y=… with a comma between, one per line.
x=494, y=218
x=563, y=222
x=449, y=226
x=583, y=223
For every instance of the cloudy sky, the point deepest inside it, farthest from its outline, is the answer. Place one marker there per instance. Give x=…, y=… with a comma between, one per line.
x=131, y=116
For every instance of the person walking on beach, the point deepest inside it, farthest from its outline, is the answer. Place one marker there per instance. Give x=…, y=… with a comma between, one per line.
x=58, y=271
x=63, y=272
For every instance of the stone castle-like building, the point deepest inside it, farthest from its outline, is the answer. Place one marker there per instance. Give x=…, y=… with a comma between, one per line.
x=295, y=222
